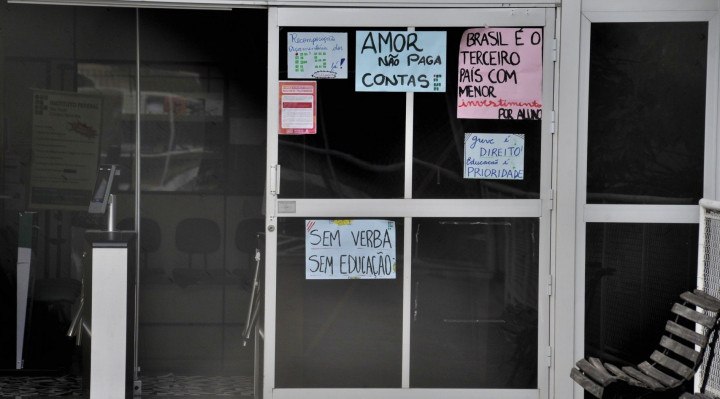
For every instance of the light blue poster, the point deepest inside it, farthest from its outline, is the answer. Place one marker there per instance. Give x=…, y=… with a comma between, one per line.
x=317, y=55
x=400, y=61
x=350, y=249
x=494, y=156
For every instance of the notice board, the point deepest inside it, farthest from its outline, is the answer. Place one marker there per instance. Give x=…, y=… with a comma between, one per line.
x=350, y=249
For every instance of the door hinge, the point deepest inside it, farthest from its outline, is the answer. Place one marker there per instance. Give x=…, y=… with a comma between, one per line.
x=550, y=285
x=275, y=180
x=550, y=200
x=554, y=50
x=549, y=355
x=552, y=122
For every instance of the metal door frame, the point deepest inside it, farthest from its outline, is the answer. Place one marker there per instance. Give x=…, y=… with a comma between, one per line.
x=407, y=207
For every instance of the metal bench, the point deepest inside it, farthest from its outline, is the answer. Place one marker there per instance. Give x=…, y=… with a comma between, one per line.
x=691, y=330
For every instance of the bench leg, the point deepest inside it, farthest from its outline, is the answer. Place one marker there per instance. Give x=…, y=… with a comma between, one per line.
x=587, y=384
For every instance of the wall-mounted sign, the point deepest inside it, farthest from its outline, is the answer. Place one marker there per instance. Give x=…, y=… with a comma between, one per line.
x=494, y=156
x=318, y=55
x=349, y=249
x=500, y=74
x=66, y=128
x=298, y=107
x=400, y=61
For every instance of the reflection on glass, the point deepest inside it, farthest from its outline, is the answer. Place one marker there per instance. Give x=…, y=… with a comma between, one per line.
x=634, y=273
x=358, y=151
x=58, y=125
x=438, y=144
x=474, y=303
x=184, y=134
x=116, y=84
x=335, y=333
x=646, y=115
x=203, y=122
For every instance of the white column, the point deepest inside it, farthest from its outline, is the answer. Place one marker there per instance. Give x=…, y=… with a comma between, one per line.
x=109, y=323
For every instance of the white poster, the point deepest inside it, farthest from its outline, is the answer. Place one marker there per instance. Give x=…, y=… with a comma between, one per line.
x=298, y=107
x=350, y=249
x=65, y=143
x=317, y=55
x=494, y=156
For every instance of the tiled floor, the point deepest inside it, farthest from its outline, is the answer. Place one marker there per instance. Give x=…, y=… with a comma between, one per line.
x=172, y=385
x=153, y=387
x=46, y=387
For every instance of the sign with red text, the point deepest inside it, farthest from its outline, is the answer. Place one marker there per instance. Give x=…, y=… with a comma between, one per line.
x=500, y=74
x=298, y=107
x=339, y=249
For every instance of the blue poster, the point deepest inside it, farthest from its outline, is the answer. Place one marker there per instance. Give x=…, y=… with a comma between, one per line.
x=400, y=61
x=350, y=249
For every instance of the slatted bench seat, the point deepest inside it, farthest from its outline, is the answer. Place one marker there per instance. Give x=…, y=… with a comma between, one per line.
x=675, y=361
x=697, y=396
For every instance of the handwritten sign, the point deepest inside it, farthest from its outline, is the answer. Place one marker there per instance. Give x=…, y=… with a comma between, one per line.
x=400, y=61
x=349, y=249
x=500, y=74
x=298, y=109
x=318, y=55
x=494, y=156
x=66, y=128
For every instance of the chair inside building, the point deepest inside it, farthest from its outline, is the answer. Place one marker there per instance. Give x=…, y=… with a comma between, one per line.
x=197, y=236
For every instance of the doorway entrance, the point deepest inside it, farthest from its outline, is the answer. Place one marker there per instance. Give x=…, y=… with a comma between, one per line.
x=401, y=253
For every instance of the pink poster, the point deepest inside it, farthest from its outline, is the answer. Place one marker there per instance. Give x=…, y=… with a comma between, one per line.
x=500, y=74
x=298, y=107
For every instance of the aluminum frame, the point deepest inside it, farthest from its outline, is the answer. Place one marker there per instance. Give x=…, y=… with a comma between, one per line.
x=407, y=207
x=596, y=11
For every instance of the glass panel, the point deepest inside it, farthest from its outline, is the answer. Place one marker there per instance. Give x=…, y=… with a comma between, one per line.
x=66, y=84
x=474, y=303
x=203, y=120
x=438, y=157
x=646, y=118
x=184, y=135
x=335, y=333
x=358, y=151
x=634, y=273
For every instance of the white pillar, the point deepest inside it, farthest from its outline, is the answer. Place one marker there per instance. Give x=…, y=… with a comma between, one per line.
x=108, y=349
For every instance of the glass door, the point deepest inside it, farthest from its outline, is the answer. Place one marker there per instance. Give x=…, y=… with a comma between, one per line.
x=408, y=202
x=637, y=228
